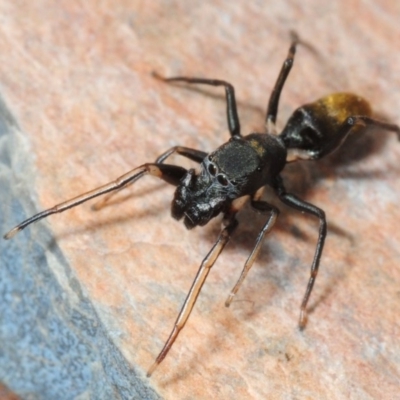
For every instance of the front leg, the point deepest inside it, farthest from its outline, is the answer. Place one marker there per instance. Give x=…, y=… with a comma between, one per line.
x=294, y=202
x=169, y=173
x=191, y=154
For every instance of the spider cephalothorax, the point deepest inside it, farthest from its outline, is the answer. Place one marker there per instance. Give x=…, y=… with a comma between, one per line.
x=237, y=168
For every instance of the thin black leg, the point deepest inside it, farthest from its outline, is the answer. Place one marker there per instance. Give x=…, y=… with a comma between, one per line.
x=327, y=146
x=368, y=121
x=169, y=173
x=273, y=103
x=262, y=207
x=194, y=291
x=192, y=154
x=232, y=115
x=293, y=201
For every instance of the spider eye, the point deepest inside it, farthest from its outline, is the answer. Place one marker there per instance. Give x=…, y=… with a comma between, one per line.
x=212, y=169
x=222, y=180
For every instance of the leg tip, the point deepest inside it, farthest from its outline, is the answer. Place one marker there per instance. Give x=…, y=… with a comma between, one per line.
x=302, y=320
x=156, y=75
x=152, y=369
x=228, y=301
x=97, y=206
x=11, y=234
x=294, y=36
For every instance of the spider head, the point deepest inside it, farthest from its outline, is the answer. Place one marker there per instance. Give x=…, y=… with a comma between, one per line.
x=201, y=197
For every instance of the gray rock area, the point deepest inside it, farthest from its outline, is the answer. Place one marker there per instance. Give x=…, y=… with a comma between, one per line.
x=53, y=345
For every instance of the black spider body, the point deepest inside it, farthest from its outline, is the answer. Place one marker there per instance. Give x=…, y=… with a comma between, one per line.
x=237, y=168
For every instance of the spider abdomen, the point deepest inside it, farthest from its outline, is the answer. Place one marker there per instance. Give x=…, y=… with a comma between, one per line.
x=319, y=128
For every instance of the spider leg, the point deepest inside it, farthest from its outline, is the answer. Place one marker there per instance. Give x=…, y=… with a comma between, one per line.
x=192, y=154
x=169, y=173
x=231, y=108
x=294, y=202
x=374, y=122
x=273, y=103
x=262, y=207
x=223, y=238
x=347, y=126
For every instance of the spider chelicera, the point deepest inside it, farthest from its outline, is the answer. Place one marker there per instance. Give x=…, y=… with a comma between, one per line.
x=238, y=170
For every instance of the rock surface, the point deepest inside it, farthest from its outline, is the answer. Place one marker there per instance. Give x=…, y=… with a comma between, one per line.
x=87, y=298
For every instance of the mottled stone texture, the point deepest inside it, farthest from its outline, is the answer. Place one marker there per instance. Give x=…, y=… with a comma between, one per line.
x=87, y=298
x=53, y=343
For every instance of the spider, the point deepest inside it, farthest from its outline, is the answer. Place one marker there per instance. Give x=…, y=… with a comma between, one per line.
x=237, y=172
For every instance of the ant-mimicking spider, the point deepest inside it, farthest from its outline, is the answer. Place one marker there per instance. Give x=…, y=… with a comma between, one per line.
x=238, y=170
